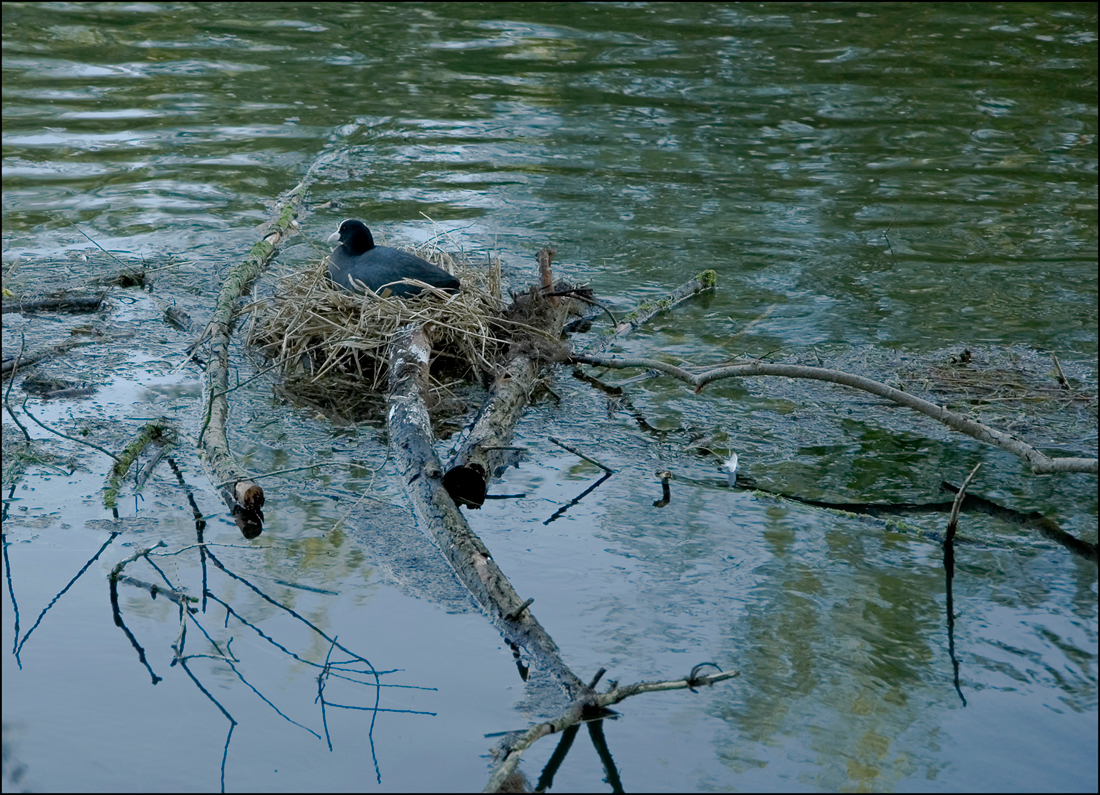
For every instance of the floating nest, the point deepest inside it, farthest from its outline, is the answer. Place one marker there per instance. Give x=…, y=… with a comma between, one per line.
x=332, y=345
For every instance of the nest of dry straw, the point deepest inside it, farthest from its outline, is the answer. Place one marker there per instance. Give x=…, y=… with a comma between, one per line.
x=325, y=338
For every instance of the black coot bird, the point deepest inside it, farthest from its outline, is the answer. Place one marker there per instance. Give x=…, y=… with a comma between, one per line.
x=380, y=267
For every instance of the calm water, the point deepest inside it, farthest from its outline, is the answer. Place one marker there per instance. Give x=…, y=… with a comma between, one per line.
x=908, y=177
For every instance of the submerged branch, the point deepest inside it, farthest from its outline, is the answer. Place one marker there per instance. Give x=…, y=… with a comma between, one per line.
x=703, y=281
x=245, y=498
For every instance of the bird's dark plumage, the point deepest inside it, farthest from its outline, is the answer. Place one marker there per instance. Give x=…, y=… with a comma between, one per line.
x=379, y=267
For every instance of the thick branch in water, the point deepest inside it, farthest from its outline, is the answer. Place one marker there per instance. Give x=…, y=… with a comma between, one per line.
x=410, y=435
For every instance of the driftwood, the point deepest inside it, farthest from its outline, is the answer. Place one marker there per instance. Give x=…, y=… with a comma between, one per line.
x=1040, y=464
x=411, y=448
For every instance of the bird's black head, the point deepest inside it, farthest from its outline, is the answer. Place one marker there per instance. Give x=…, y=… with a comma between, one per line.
x=354, y=237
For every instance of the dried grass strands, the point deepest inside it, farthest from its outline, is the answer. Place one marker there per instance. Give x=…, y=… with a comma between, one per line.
x=313, y=326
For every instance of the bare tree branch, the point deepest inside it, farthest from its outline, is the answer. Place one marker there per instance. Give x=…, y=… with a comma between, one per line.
x=1040, y=463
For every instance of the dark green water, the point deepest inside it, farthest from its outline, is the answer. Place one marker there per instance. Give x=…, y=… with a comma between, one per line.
x=912, y=177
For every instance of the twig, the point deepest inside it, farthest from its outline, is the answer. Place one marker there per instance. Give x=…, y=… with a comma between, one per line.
x=545, y=259
x=952, y=522
x=1061, y=376
x=7, y=392
x=886, y=234
x=585, y=706
x=514, y=615
x=248, y=381
x=140, y=552
x=575, y=293
x=63, y=436
x=578, y=498
x=105, y=251
x=579, y=454
x=225, y=483
x=155, y=590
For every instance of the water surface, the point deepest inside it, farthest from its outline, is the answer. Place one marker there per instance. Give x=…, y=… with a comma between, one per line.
x=911, y=178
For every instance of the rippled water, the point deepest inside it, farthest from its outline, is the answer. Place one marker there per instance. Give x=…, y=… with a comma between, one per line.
x=911, y=177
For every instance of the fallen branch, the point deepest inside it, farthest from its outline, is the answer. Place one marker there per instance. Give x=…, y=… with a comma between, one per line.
x=38, y=356
x=486, y=447
x=1040, y=464
x=245, y=498
x=705, y=280
x=149, y=433
x=590, y=704
x=411, y=448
